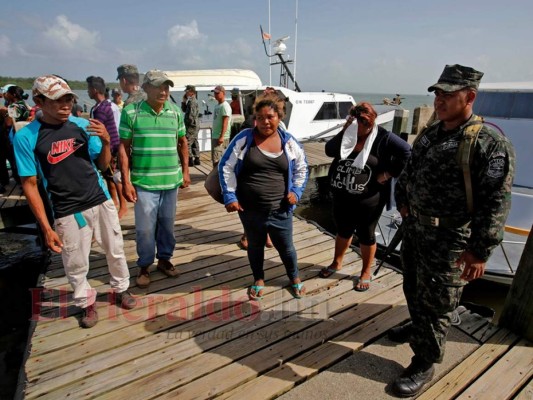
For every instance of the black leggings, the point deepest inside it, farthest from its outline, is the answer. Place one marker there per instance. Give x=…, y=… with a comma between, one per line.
x=360, y=216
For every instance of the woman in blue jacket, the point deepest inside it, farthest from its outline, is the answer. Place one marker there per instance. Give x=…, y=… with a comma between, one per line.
x=263, y=174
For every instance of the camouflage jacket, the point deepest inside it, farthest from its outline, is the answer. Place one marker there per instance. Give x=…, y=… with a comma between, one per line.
x=192, y=120
x=433, y=183
x=135, y=97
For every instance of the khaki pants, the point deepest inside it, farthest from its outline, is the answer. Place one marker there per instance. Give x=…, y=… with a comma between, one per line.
x=217, y=150
x=103, y=225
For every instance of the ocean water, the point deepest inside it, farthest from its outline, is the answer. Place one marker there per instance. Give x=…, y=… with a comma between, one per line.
x=409, y=103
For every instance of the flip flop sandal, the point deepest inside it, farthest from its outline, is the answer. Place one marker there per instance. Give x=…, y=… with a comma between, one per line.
x=327, y=272
x=298, y=290
x=363, y=281
x=243, y=242
x=256, y=289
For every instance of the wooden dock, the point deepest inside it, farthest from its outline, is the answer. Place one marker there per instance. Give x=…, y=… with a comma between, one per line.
x=198, y=336
x=14, y=210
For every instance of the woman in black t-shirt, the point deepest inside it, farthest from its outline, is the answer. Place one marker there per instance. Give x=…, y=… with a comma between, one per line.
x=366, y=157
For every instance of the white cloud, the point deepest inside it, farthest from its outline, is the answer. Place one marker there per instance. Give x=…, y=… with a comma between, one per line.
x=180, y=34
x=5, y=45
x=69, y=36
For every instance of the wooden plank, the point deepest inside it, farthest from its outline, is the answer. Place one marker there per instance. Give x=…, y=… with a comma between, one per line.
x=15, y=216
x=471, y=322
x=15, y=196
x=188, y=340
x=231, y=374
x=208, y=282
x=470, y=369
x=526, y=393
x=102, y=347
x=194, y=268
x=176, y=288
x=286, y=376
x=485, y=332
x=237, y=374
x=505, y=378
x=185, y=367
x=10, y=190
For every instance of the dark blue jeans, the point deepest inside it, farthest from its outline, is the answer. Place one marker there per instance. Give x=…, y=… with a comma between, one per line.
x=278, y=224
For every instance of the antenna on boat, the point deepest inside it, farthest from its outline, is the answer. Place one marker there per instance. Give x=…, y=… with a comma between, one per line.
x=279, y=50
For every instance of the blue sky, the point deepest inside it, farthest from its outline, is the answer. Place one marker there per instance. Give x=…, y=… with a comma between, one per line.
x=385, y=46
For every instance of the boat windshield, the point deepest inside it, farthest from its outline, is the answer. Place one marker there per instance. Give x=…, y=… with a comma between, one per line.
x=333, y=110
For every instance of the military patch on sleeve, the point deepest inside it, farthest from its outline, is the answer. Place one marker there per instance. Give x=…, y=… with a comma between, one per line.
x=424, y=141
x=496, y=167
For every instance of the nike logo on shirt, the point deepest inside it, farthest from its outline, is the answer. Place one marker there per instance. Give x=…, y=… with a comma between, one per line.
x=61, y=150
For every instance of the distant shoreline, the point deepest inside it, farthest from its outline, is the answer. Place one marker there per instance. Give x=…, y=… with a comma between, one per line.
x=27, y=83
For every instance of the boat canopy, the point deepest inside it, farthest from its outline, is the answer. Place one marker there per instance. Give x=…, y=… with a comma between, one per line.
x=209, y=78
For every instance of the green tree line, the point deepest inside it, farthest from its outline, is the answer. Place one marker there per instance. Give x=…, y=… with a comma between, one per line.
x=27, y=83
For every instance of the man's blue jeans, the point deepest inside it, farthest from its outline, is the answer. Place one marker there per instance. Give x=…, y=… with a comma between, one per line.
x=155, y=212
x=278, y=224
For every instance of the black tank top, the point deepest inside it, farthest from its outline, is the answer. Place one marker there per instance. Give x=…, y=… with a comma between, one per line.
x=262, y=183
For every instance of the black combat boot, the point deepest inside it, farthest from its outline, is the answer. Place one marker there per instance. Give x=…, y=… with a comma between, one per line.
x=401, y=334
x=413, y=378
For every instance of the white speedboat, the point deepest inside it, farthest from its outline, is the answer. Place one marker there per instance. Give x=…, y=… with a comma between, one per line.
x=508, y=107
x=309, y=115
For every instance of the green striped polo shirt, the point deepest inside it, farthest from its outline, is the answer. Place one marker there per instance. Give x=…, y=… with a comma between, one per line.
x=155, y=163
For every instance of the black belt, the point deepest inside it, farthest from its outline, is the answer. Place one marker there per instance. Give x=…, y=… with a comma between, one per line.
x=443, y=222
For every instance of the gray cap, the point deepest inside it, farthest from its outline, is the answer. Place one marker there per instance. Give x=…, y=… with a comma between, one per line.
x=457, y=77
x=156, y=78
x=127, y=69
x=219, y=88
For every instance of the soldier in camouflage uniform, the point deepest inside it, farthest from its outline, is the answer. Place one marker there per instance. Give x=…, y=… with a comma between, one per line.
x=128, y=77
x=189, y=106
x=444, y=245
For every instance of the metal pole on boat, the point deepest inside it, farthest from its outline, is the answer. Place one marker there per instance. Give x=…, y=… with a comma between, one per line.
x=394, y=242
x=269, y=46
x=318, y=135
x=295, y=39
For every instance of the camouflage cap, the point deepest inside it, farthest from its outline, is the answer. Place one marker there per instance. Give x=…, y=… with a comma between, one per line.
x=127, y=69
x=190, y=87
x=52, y=87
x=457, y=77
x=156, y=78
